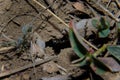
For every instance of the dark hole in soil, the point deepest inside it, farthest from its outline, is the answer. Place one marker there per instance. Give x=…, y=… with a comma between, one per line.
x=84, y=16
x=82, y=76
x=101, y=41
x=97, y=41
x=58, y=44
x=81, y=16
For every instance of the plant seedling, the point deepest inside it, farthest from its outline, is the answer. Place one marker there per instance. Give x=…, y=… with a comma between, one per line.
x=90, y=58
x=102, y=26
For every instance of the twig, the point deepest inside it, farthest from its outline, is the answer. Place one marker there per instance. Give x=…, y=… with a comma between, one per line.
x=10, y=72
x=116, y=15
x=4, y=26
x=93, y=11
x=7, y=37
x=104, y=10
x=78, y=60
x=5, y=49
x=118, y=3
x=75, y=65
x=60, y=67
x=108, y=3
x=63, y=22
x=40, y=13
x=50, y=12
x=109, y=13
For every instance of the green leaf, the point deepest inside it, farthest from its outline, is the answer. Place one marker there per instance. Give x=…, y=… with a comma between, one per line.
x=76, y=45
x=115, y=51
x=102, y=22
x=104, y=33
x=105, y=24
x=98, y=67
x=95, y=23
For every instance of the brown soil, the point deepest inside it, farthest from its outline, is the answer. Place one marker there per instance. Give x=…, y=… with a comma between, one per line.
x=16, y=14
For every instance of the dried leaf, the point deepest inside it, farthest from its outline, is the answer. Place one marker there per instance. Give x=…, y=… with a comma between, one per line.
x=39, y=41
x=37, y=45
x=98, y=67
x=79, y=6
x=111, y=64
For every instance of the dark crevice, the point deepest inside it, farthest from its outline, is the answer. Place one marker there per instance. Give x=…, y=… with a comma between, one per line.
x=58, y=44
x=80, y=15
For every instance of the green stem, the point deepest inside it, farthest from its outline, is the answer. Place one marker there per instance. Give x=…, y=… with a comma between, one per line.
x=100, y=50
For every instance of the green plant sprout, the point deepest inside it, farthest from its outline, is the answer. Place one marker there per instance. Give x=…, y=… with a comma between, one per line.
x=102, y=26
x=99, y=65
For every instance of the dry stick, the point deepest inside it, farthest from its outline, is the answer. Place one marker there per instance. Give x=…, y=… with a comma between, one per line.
x=118, y=3
x=51, y=12
x=10, y=72
x=5, y=49
x=40, y=14
x=4, y=26
x=30, y=23
x=104, y=10
x=60, y=67
x=108, y=3
x=109, y=13
x=7, y=37
x=63, y=23
x=116, y=15
x=78, y=60
x=93, y=11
